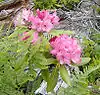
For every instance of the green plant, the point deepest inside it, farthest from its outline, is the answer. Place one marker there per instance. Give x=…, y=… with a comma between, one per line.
x=24, y=64
x=1, y=0
x=52, y=4
x=20, y=60
x=86, y=79
x=81, y=79
x=12, y=66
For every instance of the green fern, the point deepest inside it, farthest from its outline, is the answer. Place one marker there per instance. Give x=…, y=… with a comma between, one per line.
x=12, y=66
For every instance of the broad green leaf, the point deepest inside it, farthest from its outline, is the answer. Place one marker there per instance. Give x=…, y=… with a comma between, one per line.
x=52, y=61
x=59, y=32
x=84, y=61
x=40, y=58
x=49, y=61
x=64, y=74
x=53, y=78
x=45, y=74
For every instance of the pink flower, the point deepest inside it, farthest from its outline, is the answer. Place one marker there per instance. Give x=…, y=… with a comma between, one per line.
x=66, y=49
x=25, y=36
x=39, y=25
x=35, y=38
x=54, y=18
x=43, y=21
x=26, y=13
x=46, y=26
x=36, y=23
x=42, y=14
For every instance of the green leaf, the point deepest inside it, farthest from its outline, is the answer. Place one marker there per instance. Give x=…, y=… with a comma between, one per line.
x=84, y=61
x=59, y=32
x=64, y=74
x=91, y=69
x=52, y=61
x=97, y=50
x=76, y=1
x=1, y=0
x=21, y=29
x=61, y=91
x=58, y=5
x=53, y=78
x=45, y=74
x=40, y=66
x=96, y=37
x=22, y=62
x=22, y=78
x=41, y=59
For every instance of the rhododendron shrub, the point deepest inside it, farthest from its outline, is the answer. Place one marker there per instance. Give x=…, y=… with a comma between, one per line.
x=48, y=50
x=66, y=49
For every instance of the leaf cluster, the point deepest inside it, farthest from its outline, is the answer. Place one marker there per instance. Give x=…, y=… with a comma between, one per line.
x=23, y=66
x=52, y=4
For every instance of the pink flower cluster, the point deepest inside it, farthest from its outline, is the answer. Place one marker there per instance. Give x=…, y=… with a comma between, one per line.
x=66, y=49
x=43, y=21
